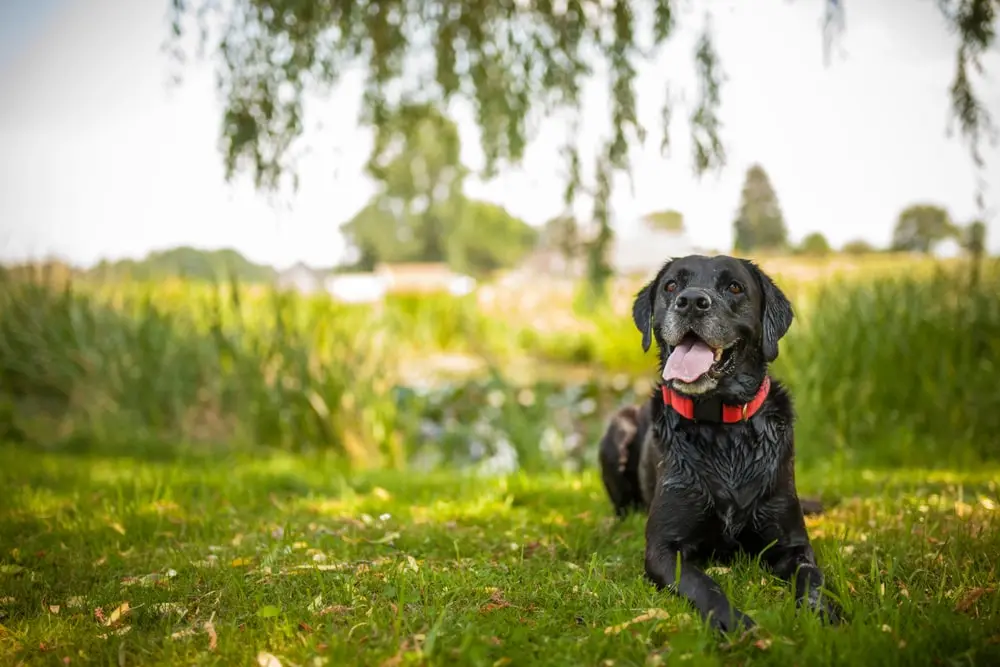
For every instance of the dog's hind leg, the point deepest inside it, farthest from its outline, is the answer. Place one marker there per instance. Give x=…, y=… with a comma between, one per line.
x=811, y=506
x=619, y=453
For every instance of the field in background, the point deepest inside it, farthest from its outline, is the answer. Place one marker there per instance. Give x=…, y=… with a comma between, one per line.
x=891, y=361
x=184, y=483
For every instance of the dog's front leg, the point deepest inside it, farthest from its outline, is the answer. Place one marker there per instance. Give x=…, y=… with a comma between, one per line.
x=796, y=563
x=669, y=526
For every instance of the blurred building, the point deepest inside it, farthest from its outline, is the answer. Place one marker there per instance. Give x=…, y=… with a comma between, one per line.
x=301, y=278
x=643, y=251
x=423, y=277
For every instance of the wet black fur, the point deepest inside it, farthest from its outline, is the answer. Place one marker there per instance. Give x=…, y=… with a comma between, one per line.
x=713, y=489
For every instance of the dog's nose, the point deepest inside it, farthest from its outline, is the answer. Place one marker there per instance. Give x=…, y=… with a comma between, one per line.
x=693, y=300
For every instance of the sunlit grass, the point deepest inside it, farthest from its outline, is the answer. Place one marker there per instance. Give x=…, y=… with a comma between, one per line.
x=222, y=558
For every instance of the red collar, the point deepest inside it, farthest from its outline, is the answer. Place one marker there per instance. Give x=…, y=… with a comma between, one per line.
x=731, y=414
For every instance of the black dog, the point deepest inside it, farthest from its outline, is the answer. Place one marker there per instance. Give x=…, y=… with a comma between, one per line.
x=710, y=456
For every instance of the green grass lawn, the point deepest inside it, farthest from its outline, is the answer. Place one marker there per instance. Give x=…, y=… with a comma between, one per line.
x=228, y=559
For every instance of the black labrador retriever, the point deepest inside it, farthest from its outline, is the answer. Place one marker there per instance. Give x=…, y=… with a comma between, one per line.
x=711, y=455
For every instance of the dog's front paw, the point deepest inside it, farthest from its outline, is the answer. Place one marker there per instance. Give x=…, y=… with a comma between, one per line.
x=731, y=620
x=826, y=610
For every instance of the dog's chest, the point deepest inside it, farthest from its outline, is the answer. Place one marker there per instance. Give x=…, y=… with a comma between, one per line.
x=731, y=466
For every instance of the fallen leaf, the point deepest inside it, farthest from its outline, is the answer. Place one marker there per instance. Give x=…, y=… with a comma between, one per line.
x=213, y=639
x=240, y=562
x=497, y=601
x=763, y=644
x=411, y=564
x=649, y=615
x=54, y=608
x=165, y=608
x=333, y=609
x=305, y=627
x=265, y=659
x=118, y=614
x=117, y=527
x=971, y=598
x=385, y=539
x=11, y=569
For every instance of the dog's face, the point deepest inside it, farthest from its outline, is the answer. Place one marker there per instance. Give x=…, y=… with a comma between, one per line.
x=712, y=318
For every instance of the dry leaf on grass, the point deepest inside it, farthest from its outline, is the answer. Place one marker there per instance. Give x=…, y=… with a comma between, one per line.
x=117, y=615
x=213, y=639
x=971, y=598
x=265, y=659
x=649, y=615
x=497, y=601
x=333, y=609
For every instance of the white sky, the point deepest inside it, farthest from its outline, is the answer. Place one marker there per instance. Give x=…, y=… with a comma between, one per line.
x=101, y=159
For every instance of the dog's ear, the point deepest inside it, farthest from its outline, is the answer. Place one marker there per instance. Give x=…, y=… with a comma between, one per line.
x=642, y=308
x=778, y=313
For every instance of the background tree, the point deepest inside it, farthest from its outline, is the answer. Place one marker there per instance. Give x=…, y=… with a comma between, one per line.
x=419, y=213
x=509, y=59
x=669, y=220
x=416, y=160
x=974, y=243
x=921, y=226
x=974, y=238
x=486, y=237
x=562, y=233
x=815, y=245
x=858, y=247
x=759, y=224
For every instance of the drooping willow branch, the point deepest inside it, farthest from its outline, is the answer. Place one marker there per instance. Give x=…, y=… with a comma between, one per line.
x=510, y=58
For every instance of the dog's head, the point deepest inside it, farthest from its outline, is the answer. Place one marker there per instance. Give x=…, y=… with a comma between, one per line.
x=715, y=320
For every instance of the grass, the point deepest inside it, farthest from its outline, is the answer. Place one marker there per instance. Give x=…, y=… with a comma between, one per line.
x=210, y=559
x=197, y=474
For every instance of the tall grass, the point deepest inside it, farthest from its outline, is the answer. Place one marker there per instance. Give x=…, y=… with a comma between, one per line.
x=898, y=368
x=135, y=364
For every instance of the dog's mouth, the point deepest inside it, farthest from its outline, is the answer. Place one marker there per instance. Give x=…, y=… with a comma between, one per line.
x=692, y=358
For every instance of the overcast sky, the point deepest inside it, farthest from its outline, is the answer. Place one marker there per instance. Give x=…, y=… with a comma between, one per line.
x=102, y=159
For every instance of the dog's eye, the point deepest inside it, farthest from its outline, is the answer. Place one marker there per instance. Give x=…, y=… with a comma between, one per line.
x=735, y=288
x=670, y=285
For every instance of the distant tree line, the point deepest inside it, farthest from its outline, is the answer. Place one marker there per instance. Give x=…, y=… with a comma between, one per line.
x=760, y=227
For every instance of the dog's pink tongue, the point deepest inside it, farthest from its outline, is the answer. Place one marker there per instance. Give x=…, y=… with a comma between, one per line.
x=689, y=361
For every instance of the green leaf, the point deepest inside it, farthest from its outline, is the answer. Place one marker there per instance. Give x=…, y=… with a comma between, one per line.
x=270, y=611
